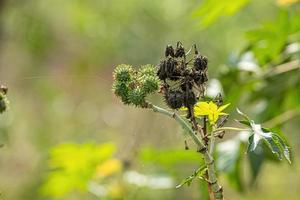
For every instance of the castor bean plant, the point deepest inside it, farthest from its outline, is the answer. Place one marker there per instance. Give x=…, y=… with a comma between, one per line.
x=181, y=78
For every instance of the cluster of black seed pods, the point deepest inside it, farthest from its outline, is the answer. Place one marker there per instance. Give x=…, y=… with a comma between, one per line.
x=182, y=81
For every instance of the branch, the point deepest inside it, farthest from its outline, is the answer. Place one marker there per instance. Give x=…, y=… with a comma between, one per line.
x=282, y=118
x=181, y=121
x=209, y=161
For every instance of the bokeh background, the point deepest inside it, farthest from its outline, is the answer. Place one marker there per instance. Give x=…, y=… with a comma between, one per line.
x=66, y=136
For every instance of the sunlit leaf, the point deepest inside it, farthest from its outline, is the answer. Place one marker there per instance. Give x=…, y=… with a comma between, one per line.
x=211, y=10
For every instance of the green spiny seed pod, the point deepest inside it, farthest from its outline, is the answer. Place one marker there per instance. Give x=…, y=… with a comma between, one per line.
x=121, y=89
x=149, y=83
x=123, y=73
x=137, y=96
x=147, y=70
x=3, y=102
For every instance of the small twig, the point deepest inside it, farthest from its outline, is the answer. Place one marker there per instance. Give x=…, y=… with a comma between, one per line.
x=283, y=68
x=282, y=118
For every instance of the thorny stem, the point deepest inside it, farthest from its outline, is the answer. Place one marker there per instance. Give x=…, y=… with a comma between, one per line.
x=208, y=158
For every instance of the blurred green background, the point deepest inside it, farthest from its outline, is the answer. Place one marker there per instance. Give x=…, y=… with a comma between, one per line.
x=67, y=137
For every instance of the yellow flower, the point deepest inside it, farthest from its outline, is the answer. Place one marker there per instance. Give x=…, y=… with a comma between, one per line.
x=209, y=109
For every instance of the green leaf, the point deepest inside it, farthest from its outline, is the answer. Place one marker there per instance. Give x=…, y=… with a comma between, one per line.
x=211, y=10
x=275, y=143
x=197, y=173
x=256, y=160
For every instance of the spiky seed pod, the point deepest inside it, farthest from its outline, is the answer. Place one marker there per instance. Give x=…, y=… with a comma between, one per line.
x=146, y=70
x=137, y=96
x=200, y=63
x=3, y=102
x=190, y=98
x=169, y=51
x=179, y=51
x=174, y=99
x=123, y=73
x=3, y=89
x=149, y=84
x=121, y=89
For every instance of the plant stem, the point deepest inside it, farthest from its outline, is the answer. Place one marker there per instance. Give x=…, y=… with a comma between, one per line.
x=181, y=121
x=230, y=129
x=212, y=177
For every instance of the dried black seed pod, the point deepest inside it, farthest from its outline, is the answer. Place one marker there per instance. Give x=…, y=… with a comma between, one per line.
x=187, y=85
x=179, y=51
x=174, y=98
x=190, y=98
x=200, y=63
x=171, y=66
x=200, y=78
x=167, y=69
x=175, y=75
x=169, y=51
x=162, y=72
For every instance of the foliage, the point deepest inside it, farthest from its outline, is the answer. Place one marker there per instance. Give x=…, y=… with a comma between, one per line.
x=273, y=140
x=73, y=166
x=181, y=81
x=57, y=57
x=211, y=10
